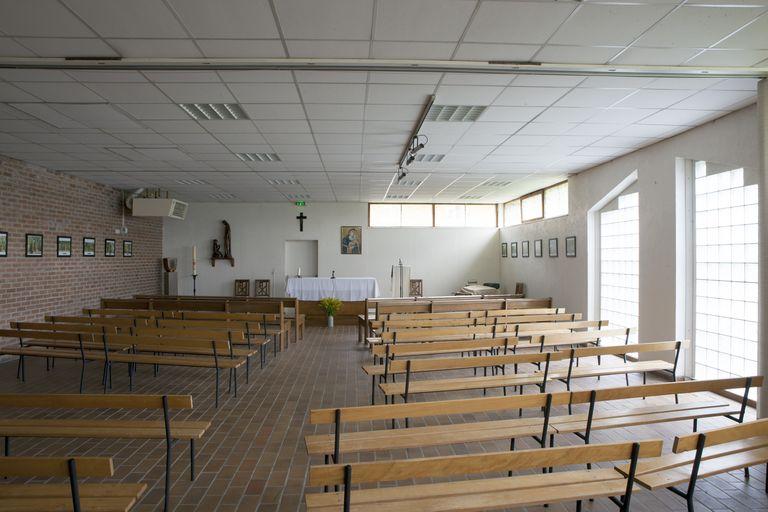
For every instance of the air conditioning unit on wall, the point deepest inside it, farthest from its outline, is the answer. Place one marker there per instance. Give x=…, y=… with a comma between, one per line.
x=159, y=207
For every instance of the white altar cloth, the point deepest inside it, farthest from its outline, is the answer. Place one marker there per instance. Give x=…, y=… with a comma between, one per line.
x=344, y=288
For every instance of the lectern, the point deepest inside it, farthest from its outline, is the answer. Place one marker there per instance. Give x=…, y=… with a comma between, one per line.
x=401, y=279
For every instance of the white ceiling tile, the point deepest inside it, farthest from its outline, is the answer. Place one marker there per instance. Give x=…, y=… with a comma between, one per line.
x=143, y=139
x=615, y=82
x=476, y=79
x=257, y=76
x=197, y=93
x=164, y=154
x=286, y=149
x=328, y=49
x=591, y=129
x=683, y=83
x=600, y=24
x=510, y=114
x=467, y=95
x=396, y=50
x=339, y=138
x=698, y=26
x=274, y=111
x=399, y=94
x=333, y=93
x=9, y=92
x=718, y=57
x=156, y=48
x=654, y=98
x=330, y=19
x=648, y=130
x=182, y=76
x=753, y=36
x=503, y=52
x=621, y=115
x=546, y=128
x=736, y=84
x=355, y=77
x=146, y=111
x=334, y=111
x=188, y=126
x=47, y=114
x=246, y=19
x=336, y=126
x=392, y=112
x=279, y=126
x=40, y=18
x=657, y=56
x=592, y=97
x=529, y=96
x=517, y=22
x=97, y=75
x=403, y=20
x=128, y=93
x=716, y=100
x=264, y=93
x=60, y=47
x=674, y=117
x=566, y=115
x=10, y=48
x=289, y=138
x=577, y=54
x=229, y=126
x=66, y=92
x=137, y=18
x=241, y=48
x=34, y=75
x=241, y=138
x=388, y=77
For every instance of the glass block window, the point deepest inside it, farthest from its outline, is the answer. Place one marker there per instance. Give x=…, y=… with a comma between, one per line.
x=620, y=266
x=726, y=269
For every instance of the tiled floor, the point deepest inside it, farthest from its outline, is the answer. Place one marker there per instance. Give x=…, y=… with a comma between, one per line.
x=253, y=457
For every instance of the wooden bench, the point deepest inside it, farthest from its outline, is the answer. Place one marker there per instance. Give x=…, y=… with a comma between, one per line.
x=167, y=429
x=52, y=497
x=705, y=454
x=400, y=324
x=122, y=348
x=337, y=443
x=482, y=493
x=538, y=378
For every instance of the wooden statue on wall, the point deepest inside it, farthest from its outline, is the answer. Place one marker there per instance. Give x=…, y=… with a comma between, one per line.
x=225, y=252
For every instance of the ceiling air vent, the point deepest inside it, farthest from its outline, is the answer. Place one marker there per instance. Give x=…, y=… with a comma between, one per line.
x=223, y=195
x=214, y=111
x=398, y=196
x=191, y=182
x=279, y=181
x=258, y=157
x=429, y=158
x=455, y=113
x=497, y=184
x=159, y=207
x=409, y=183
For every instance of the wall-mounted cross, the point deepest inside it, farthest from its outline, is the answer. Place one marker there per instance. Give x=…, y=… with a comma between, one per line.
x=301, y=218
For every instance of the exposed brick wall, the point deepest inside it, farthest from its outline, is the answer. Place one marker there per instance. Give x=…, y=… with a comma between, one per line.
x=34, y=200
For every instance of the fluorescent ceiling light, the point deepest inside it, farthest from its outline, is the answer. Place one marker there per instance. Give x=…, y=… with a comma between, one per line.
x=214, y=111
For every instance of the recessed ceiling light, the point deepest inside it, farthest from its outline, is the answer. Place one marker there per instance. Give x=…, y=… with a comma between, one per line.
x=223, y=195
x=258, y=157
x=468, y=196
x=298, y=196
x=398, y=196
x=455, y=113
x=409, y=183
x=497, y=184
x=429, y=158
x=279, y=181
x=214, y=111
x=191, y=182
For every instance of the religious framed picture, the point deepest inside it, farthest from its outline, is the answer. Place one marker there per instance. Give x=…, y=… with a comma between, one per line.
x=553, y=247
x=513, y=249
x=89, y=247
x=504, y=249
x=3, y=244
x=242, y=287
x=109, y=248
x=570, y=247
x=33, y=246
x=351, y=240
x=63, y=246
x=526, y=249
x=127, y=248
x=538, y=248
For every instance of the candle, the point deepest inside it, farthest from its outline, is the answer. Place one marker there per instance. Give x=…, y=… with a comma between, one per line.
x=299, y=273
x=194, y=260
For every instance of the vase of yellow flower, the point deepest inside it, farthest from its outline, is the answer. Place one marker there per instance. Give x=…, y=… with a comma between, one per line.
x=331, y=305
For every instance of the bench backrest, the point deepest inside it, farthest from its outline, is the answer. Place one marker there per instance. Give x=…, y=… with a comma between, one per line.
x=49, y=467
x=395, y=349
x=48, y=326
x=436, y=306
x=232, y=335
x=758, y=428
x=453, y=315
x=246, y=326
x=97, y=320
x=447, y=466
x=442, y=332
x=466, y=320
x=86, y=401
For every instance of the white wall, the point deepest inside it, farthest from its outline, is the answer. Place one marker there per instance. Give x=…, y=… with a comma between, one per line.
x=731, y=139
x=445, y=258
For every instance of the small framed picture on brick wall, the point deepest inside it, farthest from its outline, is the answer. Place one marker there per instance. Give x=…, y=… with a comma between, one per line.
x=109, y=248
x=89, y=247
x=127, y=248
x=33, y=245
x=63, y=246
x=3, y=244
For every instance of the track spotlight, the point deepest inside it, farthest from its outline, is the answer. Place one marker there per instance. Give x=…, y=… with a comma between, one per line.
x=410, y=159
x=401, y=173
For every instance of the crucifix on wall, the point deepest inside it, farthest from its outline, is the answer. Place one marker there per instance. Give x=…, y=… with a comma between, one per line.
x=301, y=217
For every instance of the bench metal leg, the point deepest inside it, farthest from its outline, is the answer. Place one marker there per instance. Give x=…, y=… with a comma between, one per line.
x=373, y=390
x=247, y=369
x=82, y=377
x=7, y=448
x=234, y=376
x=192, y=460
x=217, y=387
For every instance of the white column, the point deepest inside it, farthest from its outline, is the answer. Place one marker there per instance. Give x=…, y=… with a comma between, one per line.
x=762, y=350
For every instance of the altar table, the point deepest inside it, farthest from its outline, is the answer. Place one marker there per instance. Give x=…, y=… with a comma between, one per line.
x=344, y=288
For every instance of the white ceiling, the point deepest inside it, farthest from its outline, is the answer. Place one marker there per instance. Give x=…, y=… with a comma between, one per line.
x=340, y=133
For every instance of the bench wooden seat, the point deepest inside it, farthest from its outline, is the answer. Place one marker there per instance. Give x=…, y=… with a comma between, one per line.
x=333, y=445
x=53, y=497
x=166, y=429
x=701, y=455
x=482, y=494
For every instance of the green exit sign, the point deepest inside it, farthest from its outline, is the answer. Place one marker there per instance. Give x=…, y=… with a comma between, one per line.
x=300, y=203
